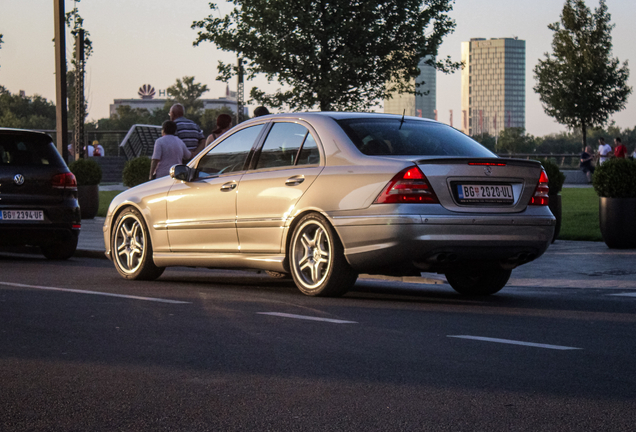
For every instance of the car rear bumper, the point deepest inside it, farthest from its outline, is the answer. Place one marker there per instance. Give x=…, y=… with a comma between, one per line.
x=437, y=243
x=34, y=235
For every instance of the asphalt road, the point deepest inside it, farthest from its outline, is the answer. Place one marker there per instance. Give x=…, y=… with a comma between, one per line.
x=82, y=349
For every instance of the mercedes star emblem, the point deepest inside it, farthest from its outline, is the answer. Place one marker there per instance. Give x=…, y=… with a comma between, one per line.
x=18, y=179
x=488, y=170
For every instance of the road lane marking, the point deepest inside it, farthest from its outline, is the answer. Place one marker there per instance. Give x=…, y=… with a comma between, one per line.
x=305, y=317
x=159, y=300
x=513, y=342
x=624, y=294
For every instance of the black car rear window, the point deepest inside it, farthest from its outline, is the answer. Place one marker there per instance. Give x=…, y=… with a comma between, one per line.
x=28, y=150
x=392, y=137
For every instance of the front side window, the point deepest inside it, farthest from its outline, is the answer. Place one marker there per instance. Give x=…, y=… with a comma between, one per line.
x=393, y=137
x=229, y=155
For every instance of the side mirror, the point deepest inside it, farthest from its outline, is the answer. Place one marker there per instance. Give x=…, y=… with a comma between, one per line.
x=180, y=172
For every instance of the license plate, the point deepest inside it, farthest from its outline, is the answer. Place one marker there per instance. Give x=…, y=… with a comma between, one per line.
x=21, y=215
x=476, y=193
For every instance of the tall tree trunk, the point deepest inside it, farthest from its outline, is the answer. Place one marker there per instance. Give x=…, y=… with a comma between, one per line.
x=584, y=133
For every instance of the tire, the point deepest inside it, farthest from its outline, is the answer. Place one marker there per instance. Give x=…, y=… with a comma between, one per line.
x=61, y=249
x=478, y=282
x=316, y=259
x=132, y=248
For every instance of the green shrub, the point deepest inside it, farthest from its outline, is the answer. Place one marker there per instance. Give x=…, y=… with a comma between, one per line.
x=615, y=178
x=86, y=171
x=136, y=171
x=555, y=176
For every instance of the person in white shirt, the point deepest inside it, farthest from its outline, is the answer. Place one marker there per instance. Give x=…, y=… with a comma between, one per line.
x=604, y=150
x=169, y=150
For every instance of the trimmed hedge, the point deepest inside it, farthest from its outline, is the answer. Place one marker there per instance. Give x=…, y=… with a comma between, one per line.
x=615, y=178
x=555, y=177
x=136, y=171
x=87, y=172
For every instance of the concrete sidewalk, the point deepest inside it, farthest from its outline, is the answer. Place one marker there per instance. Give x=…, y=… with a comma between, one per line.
x=566, y=264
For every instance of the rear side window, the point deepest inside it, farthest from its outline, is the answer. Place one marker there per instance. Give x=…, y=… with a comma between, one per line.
x=288, y=144
x=393, y=137
x=28, y=150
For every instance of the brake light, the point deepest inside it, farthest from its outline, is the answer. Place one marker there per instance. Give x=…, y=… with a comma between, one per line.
x=408, y=186
x=64, y=181
x=487, y=163
x=541, y=196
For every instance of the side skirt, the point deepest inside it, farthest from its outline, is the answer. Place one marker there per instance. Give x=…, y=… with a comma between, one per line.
x=273, y=262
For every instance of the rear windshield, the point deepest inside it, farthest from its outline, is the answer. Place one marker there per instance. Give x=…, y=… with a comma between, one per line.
x=28, y=150
x=392, y=137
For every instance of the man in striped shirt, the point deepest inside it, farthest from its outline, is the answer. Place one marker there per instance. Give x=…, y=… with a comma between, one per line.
x=189, y=132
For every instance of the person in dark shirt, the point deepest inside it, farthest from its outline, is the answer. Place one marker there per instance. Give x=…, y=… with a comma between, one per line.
x=586, y=163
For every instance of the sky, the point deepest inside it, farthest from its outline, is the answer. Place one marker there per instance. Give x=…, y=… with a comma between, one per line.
x=150, y=42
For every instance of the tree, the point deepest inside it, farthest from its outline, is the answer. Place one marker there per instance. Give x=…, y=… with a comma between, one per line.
x=30, y=112
x=337, y=54
x=515, y=140
x=581, y=84
x=187, y=93
x=486, y=140
x=75, y=22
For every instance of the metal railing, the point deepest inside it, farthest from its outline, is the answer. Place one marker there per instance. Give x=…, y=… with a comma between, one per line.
x=563, y=160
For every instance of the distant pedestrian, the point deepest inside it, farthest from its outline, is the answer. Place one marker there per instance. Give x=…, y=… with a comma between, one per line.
x=604, y=150
x=586, y=163
x=620, y=151
x=189, y=132
x=98, y=150
x=260, y=111
x=169, y=150
x=223, y=124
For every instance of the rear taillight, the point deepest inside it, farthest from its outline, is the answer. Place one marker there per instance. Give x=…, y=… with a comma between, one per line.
x=64, y=181
x=540, y=196
x=408, y=186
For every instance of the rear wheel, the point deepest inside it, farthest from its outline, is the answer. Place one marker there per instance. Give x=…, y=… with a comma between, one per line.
x=61, y=249
x=316, y=259
x=478, y=282
x=131, y=247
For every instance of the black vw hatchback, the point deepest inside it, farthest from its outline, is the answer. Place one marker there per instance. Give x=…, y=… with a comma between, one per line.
x=38, y=195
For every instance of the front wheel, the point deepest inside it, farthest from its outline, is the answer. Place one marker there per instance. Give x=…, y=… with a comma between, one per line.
x=316, y=259
x=478, y=282
x=131, y=247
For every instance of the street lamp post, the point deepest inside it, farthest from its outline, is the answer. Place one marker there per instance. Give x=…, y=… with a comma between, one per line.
x=61, y=125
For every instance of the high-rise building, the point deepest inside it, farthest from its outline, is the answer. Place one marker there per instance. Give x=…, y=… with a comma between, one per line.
x=416, y=105
x=493, y=85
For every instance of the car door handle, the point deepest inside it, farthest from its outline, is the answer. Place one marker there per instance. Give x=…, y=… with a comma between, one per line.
x=294, y=181
x=228, y=187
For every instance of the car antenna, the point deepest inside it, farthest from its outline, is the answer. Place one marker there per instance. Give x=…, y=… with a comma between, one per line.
x=402, y=121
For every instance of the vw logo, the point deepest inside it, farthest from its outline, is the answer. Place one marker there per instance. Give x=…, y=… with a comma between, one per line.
x=488, y=170
x=18, y=179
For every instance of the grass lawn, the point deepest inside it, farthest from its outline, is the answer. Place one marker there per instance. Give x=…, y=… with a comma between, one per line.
x=105, y=197
x=580, y=213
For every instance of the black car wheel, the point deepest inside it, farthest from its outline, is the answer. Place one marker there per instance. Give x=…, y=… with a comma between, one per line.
x=478, y=282
x=316, y=259
x=131, y=247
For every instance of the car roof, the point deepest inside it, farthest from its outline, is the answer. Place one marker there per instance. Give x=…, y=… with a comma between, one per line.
x=343, y=115
x=4, y=130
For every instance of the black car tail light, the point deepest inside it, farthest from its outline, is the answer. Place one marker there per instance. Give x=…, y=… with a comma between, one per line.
x=64, y=181
x=408, y=186
x=541, y=196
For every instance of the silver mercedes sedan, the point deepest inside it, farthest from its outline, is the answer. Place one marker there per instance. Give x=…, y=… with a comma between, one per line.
x=325, y=196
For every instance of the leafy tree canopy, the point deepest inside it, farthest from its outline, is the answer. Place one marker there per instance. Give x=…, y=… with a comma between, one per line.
x=30, y=112
x=515, y=140
x=337, y=54
x=581, y=84
x=186, y=92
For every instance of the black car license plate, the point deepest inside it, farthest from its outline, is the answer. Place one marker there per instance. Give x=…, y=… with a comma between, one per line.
x=21, y=215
